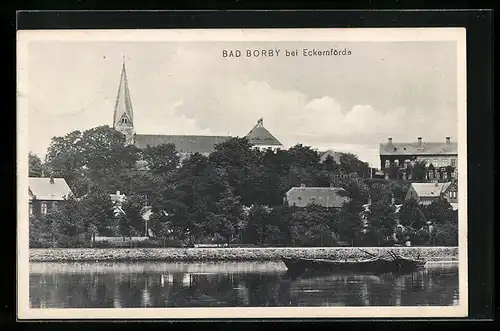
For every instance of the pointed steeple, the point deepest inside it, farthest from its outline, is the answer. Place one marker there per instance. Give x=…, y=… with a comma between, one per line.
x=123, y=118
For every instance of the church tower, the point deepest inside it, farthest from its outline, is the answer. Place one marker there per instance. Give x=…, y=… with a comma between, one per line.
x=123, y=117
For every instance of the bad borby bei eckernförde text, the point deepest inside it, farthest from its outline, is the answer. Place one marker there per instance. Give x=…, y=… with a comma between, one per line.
x=276, y=52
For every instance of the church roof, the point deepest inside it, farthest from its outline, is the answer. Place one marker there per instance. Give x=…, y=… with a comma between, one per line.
x=45, y=189
x=260, y=136
x=419, y=148
x=123, y=105
x=183, y=144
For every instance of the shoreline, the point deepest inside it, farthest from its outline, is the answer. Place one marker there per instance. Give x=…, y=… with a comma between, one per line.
x=431, y=254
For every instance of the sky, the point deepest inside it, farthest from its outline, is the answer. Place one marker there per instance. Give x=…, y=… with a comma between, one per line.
x=402, y=90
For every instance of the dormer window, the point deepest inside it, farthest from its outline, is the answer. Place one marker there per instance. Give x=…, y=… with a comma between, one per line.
x=124, y=120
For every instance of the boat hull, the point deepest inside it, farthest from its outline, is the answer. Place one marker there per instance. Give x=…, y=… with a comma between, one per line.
x=375, y=266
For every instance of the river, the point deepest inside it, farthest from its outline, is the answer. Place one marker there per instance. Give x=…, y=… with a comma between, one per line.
x=241, y=284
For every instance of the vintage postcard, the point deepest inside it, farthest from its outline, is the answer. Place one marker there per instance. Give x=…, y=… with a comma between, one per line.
x=282, y=173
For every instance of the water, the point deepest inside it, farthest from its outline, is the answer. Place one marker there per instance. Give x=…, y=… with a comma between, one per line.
x=135, y=285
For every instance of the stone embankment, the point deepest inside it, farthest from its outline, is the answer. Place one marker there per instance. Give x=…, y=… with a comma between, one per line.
x=232, y=254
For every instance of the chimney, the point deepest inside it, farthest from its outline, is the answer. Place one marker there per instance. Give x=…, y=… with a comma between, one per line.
x=389, y=140
x=51, y=180
x=118, y=193
x=419, y=140
x=260, y=122
x=302, y=185
x=447, y=140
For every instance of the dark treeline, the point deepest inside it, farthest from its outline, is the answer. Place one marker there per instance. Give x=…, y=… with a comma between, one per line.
x=234, y=196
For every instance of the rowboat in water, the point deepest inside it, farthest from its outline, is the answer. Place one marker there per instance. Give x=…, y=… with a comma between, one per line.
x=375, y=265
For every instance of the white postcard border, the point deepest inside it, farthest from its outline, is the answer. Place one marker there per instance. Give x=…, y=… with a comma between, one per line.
x=276, y=35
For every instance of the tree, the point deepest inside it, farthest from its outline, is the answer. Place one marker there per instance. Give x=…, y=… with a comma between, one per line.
x=419, y=170
x=380, y=191
x=258, y=219
x=303, y=156
x=411, y=215
x=162, y=158
x=311, y=227
x=96, y=209
x=227, y=221
x=382, y=220
x=350, y=220
x=350, y=163
x=439, y=212
x=446, y=234
x=398, y=190
x=330, y=165
x=131, y=221
x=36, y=168
x=99, y=154
x=64, y=156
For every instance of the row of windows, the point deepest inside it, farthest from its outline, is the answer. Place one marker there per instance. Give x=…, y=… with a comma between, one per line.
x=453, y=194
x=435, y=162
x=43, y=207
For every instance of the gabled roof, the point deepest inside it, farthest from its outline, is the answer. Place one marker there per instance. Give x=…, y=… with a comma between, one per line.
x=183, y=144
x=43, y=189
x=424, y=148
x=430, y=190
x=323, y=196
x=260, y=136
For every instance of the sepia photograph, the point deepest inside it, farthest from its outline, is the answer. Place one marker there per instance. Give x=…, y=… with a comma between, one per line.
x=240, y=173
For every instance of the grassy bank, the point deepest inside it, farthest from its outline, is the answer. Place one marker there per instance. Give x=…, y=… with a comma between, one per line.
x=232, y=254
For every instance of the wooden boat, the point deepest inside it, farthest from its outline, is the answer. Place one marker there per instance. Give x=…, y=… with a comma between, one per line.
x=375, y=265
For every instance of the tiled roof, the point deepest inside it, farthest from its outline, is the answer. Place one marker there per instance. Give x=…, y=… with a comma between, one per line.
x=323, y=196
x=430, y=190
x=424, y=148
x=260, y=136
x=43, y=189
x=183, y=144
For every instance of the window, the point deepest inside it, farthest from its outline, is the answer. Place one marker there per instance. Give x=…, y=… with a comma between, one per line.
x=396, y=163
x=387, y=163
x=31, y=208
x=44, y=208
x=453, y=162
x=54, y=204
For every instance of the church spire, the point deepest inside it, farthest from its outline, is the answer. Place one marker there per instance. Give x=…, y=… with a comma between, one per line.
x=123, y=118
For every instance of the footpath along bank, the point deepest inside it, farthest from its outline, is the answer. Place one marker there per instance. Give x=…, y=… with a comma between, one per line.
x=231, y=254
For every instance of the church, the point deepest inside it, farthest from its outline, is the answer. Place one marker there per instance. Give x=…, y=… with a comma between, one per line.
x=123, y=121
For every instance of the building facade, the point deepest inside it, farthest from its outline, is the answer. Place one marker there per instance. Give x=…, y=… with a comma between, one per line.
x=47, y=194
x=186, y=145
x=440, y=158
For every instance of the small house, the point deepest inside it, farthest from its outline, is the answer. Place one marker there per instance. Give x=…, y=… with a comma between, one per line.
x=328, y=197
x=46, y=194
x=426, y=193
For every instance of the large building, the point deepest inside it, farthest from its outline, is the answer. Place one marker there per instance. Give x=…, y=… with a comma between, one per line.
x=123, y=121
x=440, y=158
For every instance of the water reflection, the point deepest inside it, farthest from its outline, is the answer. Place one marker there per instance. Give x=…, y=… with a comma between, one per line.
x=127, y=285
